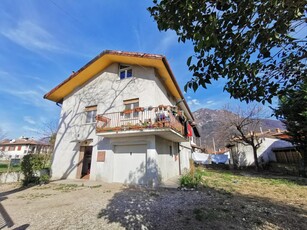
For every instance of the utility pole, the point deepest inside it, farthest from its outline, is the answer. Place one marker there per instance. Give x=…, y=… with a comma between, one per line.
x=213, y=145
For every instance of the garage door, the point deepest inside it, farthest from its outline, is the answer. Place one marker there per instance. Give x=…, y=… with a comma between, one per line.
x=129, y=163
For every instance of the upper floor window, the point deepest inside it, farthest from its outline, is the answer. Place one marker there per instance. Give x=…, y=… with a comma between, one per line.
x=125, y=71
x=91, y=112
x=12, y=148
x=130, y=105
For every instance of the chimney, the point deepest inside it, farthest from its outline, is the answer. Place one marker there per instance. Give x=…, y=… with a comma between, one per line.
x=278, y=130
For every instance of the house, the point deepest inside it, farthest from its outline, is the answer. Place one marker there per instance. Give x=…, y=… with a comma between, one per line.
x=123, y=119
x=242, y=154
x=18, y=148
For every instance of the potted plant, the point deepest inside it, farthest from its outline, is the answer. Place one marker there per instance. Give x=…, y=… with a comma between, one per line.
x=139, y=109
x=127, y=111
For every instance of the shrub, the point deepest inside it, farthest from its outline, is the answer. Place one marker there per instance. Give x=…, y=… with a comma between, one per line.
x=30, y=165
x=191, y=179
x=44, y=178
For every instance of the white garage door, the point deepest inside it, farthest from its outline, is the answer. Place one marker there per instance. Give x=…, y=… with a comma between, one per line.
x=129, y=163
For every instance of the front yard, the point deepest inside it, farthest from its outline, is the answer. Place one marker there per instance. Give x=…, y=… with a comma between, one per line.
x=4, y=167
x=225, y=201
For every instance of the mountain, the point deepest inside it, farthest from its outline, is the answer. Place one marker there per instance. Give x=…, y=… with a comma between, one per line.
x=211, y=124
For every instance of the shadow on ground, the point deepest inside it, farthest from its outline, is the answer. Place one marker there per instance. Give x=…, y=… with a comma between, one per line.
x=140, y=208
x=5, y=218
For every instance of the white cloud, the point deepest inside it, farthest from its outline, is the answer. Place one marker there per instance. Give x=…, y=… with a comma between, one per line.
x=31, y=36
x=29, y=120
x=30, y=129
x=193, y=102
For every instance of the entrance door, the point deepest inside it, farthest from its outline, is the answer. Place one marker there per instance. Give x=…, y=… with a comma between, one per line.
x=85, y=159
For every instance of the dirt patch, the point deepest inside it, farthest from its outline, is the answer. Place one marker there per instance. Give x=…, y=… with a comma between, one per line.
x=227, y=201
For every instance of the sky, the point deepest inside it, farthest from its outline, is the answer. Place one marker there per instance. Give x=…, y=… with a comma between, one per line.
x=42, y=42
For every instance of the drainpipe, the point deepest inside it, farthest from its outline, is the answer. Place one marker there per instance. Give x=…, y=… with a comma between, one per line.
x=179, y=160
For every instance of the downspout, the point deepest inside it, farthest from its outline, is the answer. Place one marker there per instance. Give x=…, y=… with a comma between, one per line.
x=179, y=160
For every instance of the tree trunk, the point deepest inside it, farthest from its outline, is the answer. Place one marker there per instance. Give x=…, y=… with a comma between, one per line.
x=256, y=158
x=302, y=169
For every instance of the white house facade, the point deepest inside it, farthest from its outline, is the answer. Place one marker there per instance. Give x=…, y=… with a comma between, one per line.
x=243, y=154
x=18, y=148
x=123, y=119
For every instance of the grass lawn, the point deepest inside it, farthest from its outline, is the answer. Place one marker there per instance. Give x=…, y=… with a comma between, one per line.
x=4, y=165
x=255, y=200
x=256, y=184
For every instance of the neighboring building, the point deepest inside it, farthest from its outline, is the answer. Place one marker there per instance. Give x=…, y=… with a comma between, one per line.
x=123, y=119
x=18, y=148
x=242, y=155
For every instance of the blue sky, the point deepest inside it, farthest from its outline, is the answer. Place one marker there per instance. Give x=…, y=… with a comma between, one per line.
x=42, y=42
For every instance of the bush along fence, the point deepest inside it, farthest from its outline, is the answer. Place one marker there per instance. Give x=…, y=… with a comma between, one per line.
x=35, y=169
x=31, y=168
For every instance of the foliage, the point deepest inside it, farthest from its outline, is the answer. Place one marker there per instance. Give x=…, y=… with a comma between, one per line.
x=191, y=179
x=292, y=111
x=30, y=165
x=44, y=178
x=251, y=43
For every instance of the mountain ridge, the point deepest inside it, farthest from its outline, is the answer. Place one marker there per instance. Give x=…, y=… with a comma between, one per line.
x=210, y=121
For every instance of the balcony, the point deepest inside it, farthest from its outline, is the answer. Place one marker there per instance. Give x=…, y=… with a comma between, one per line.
x=141, y=121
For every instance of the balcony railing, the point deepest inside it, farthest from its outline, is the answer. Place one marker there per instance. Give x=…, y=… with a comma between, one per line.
x=139, y=119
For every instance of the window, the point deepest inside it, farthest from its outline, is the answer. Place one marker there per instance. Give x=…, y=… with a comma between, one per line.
x=19, y=148
x=130, y=105
x=125, y=71
x=11, y=148
x=91, y=112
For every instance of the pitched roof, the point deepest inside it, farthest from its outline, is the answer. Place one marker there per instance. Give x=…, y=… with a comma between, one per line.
x=22, y=141
x=106, y=58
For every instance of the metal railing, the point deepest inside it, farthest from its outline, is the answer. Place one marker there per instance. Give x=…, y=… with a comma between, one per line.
x=138, y=119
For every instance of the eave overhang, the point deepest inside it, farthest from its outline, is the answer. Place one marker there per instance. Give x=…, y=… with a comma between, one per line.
x=108, y=57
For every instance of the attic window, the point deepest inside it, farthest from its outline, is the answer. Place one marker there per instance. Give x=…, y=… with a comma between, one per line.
x=125, y=71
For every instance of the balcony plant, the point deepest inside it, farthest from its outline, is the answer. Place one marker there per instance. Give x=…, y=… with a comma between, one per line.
x=139, y=109
x=127, y=111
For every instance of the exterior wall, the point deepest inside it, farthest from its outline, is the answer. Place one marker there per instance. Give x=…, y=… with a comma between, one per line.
x=245, y=153
x=11, y=177
x=168, y=159
x=105, y=170
x=12, y=154
x=15, y=153
x=185, y=156
x=108, y=92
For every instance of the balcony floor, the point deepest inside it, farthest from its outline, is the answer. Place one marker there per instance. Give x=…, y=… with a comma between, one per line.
x=166, y=133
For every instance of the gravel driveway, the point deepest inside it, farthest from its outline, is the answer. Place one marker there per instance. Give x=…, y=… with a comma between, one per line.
x=115, y=206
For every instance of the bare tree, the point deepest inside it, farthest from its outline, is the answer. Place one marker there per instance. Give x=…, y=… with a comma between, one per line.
x=2, y=134
x=47, y=132
x=242, y=125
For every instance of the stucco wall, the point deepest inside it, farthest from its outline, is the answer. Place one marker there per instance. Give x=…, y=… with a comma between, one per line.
x=168, y=159
x=15, y=153
x=245, y=153
x=185, y=156
x=108, y=92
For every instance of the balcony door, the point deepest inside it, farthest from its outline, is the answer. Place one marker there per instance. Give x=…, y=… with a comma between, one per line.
x=129, y=115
